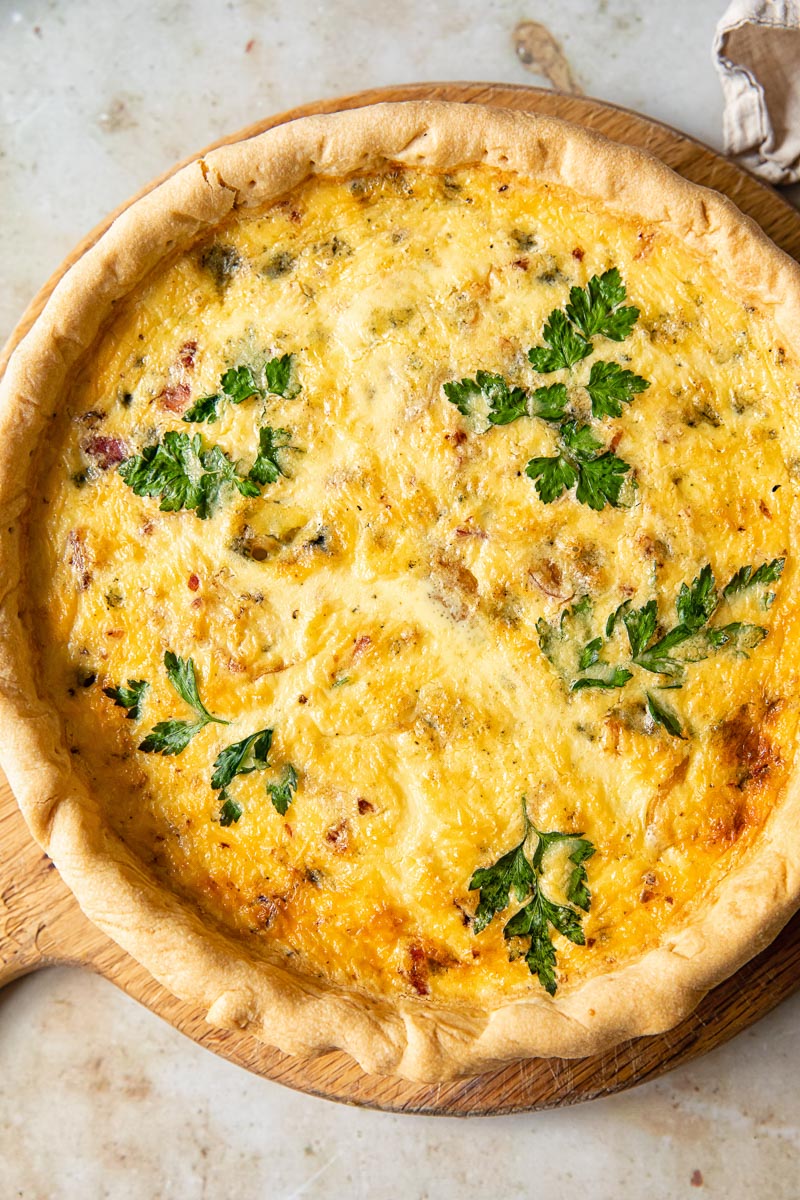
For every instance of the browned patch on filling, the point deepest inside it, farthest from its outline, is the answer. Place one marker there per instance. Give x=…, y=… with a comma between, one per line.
x=746, y=749
x=455, y=587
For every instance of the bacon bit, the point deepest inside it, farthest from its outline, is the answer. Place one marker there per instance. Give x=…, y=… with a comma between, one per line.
x=361, y=645
x=764, y=510
x=250, y=45
x=302, y=699
x=76, y=540
x=106, y=451
x=193, y=582
x=649, y=880
x=115, y=633
x=457, y=438
x=186, y=355
x=235, y=667
x=521, y=264
x=417, y=975
x=267, y=909
x=197, y=602
x=338, y=836
x=464, y=531
x=175, y=397
x=615, y=441
x=696, y=1179
x=364, y=806
x=578, y=253
x=289, y=830
x=148, y=528
x=296, y=216
x=590, y=941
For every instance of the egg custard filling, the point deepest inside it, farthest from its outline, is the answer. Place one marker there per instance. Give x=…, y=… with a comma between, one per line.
x=410, y=571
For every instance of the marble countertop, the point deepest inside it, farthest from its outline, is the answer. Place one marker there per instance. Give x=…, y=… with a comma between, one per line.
x=99, y=1098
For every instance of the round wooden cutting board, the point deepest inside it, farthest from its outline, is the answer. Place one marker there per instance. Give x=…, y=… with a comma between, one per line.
x=41, y=924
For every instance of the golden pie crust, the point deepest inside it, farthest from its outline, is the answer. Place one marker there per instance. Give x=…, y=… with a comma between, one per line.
x=429, y=1032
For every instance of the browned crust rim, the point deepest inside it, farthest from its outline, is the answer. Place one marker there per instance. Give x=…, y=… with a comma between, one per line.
x=403, y=1036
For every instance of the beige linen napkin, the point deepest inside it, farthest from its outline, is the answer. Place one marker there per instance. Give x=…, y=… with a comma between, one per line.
x=757, y=55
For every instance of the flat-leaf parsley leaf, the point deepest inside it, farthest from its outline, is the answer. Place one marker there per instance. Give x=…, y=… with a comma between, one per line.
x=130, y=697
x=564, y=346
x=171, y=737
x=610, y=386
x=596, y=309
x=517, y=875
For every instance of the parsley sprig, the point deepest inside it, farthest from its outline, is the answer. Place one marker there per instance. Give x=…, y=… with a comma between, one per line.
x=130, y=697
x=184, y=475
x=173, y=736
x=564, y=346
x=610, y=386
x=282, y=793
x=242, y=758
x=658, y=650
x=517, y=875
x=598, y=308
x=598, y=477
x=268, y=465
x=274, y=377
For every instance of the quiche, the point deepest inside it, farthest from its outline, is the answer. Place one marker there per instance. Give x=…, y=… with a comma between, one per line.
x=399, y=623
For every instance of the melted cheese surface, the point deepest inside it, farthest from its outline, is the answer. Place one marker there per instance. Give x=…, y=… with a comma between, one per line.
x=378, y=608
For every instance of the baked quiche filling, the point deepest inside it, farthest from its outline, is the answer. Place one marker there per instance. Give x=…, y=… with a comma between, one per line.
x=411, y=575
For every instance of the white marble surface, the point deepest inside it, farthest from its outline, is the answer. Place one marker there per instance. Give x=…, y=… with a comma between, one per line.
x=98, y=1097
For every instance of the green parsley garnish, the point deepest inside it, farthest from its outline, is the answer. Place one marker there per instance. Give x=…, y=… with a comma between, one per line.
x=596, y=309
x=204, y=409
x=240, y=383
x=252, y=754
x=171, y=737
x=746, y=578
x=130, y=697
x=663, y=715
x=184, y=475
x=230, y=811
x=240, y=758
x=503, y=403
x=610, y=387
x=564, y=346
x=267, y=466
x=599, y=476
x=518, y=875
x=282, y=793
x=275, y=377
x=578, y=656
x=549, y=402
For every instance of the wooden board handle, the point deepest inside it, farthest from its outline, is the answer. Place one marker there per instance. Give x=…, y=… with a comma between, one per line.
x=31, y=896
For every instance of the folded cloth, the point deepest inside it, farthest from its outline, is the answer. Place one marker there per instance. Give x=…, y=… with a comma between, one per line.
x=757, y=55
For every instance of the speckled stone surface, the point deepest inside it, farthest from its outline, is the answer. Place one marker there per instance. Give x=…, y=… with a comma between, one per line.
x=98, y=1098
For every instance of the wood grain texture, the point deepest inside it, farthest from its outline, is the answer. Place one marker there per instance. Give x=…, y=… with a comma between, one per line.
x=41, y=924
